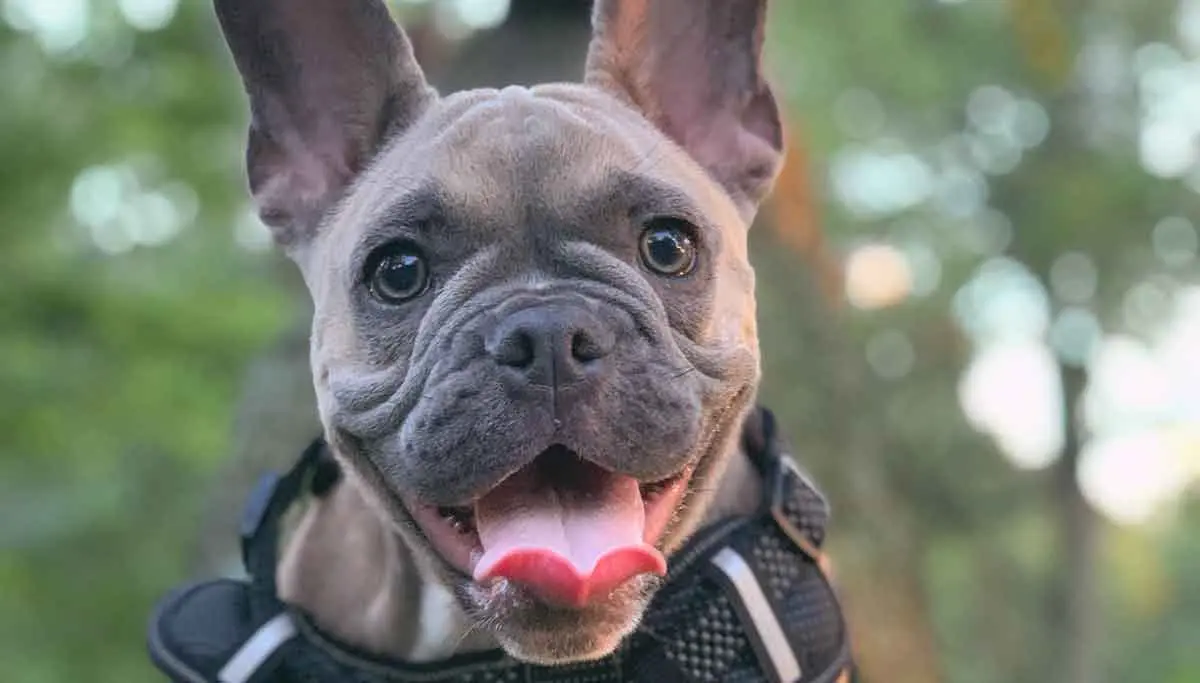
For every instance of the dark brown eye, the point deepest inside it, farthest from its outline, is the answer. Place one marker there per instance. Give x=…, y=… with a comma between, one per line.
x=398, y=273
x=668, y=246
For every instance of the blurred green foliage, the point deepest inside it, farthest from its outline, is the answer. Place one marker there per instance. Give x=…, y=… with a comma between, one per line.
x=126, y=326
x=1010, y=591
x=119, y=362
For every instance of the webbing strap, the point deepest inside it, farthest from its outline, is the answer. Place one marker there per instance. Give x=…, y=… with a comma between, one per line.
x=770, y=643
x=256, y=652
x=268, y=502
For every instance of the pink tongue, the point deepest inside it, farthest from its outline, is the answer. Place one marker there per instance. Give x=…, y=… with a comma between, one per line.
x=567, y=530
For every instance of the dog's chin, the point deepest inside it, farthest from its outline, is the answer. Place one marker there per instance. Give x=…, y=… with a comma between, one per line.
x=527, y=626
x=535, y=632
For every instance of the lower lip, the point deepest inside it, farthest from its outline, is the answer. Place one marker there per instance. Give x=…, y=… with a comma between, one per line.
x=460, y=547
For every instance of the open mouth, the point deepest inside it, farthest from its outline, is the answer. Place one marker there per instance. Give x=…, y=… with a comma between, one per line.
x=567, y=530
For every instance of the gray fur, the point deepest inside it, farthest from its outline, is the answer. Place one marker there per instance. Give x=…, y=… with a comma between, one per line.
x=528, y=204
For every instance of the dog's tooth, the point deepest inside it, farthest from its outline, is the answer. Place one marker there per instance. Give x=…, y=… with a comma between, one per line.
x=459, y=519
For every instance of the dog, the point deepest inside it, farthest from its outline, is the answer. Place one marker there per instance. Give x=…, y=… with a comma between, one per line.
x=534, y=338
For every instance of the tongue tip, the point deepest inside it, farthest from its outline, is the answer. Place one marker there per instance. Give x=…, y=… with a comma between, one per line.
x=559, y=580
x=644, y=557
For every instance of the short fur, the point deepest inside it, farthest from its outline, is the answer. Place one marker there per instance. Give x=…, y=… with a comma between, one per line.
x=528, y=204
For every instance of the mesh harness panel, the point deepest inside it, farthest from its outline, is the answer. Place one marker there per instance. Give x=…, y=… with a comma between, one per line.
x=744, y=602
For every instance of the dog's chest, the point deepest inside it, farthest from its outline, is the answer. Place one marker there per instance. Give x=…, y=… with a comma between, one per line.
x=440, y=628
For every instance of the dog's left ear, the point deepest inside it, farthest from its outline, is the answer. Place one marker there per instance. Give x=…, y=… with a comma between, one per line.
x=328, y=81
x=694, y=68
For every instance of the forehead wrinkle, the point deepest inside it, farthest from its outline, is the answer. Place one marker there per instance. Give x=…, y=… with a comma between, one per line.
x=416, y=212
x=491, y=162
x=559, y=154
x=626, y=196
x=558, y=138
x=415, y=209
x=644, y=148
x=649, y=194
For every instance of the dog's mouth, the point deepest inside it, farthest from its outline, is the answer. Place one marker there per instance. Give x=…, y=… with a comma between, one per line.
x=564, y=529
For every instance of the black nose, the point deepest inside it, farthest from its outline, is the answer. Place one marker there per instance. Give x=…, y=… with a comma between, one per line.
x=551, y=344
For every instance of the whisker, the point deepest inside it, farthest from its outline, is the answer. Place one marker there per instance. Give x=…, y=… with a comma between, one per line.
x=684, y=372
x=471, y=628
x=654, y=636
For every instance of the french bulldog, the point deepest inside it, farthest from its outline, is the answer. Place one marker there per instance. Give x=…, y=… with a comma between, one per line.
x=534, y=338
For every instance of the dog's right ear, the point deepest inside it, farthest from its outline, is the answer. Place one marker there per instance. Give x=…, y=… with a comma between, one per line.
x=328, y=81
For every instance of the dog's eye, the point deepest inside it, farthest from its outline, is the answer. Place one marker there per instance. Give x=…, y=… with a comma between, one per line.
x=398, y=273
x=668, y=246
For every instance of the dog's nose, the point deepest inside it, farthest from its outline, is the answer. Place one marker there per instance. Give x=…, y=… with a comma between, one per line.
x=552, y=344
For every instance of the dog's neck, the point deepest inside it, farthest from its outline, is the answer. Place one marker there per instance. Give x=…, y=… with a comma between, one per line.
x=363, y=585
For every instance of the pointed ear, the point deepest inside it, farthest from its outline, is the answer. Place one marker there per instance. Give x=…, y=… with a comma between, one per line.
x=694, y=68
x=328, y=81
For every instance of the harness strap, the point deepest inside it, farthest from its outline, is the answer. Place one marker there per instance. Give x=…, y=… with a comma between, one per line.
x=792, y=497
x=274, y=494
x=259, y=530
x=801, y=512
x=763, y=629
x=230, y=631
x=236, y=632
x=207, y=633
x=252, y=657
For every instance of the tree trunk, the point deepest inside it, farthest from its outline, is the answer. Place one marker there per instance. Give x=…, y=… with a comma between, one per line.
x=1077, y=605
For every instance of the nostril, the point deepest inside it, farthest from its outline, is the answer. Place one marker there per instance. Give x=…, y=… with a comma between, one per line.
x=550, y=345
x=516, y=350
x=585, y=348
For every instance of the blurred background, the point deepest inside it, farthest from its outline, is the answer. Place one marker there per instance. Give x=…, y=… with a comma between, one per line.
x=980, y=301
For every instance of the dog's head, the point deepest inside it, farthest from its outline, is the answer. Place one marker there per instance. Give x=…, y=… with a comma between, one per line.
x=534, y=335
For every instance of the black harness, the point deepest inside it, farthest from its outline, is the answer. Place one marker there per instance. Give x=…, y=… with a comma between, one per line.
x=744, y=602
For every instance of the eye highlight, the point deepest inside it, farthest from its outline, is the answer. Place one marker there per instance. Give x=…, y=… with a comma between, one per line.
x=397, y=273
x=668, y=246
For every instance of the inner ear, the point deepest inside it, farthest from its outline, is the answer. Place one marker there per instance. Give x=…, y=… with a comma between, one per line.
x=694, y=68
x=328, y=82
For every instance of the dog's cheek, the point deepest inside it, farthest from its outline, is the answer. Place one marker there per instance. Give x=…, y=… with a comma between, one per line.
x=463, y=434
x=662, y=409
x=733, y=322
x=690, y=301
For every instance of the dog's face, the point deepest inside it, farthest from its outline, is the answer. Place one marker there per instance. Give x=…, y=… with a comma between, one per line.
x=534, y=336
